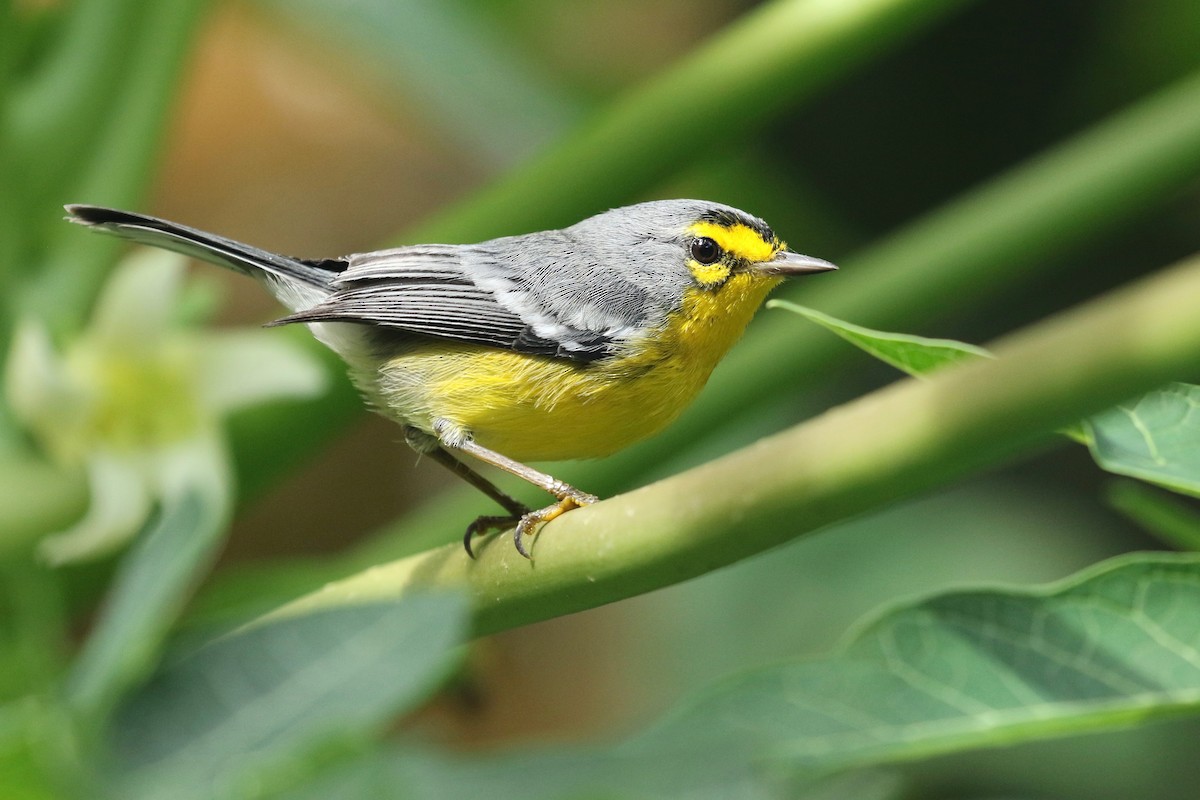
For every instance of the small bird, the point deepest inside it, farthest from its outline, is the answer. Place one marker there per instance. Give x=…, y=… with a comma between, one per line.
x=561, y=344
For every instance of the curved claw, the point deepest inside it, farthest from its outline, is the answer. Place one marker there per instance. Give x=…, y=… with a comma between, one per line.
x=575, y=499
x=527, y=521
x=522, y=528
x=486, y=523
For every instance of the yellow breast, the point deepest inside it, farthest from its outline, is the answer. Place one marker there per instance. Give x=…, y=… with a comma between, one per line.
x=535, y=408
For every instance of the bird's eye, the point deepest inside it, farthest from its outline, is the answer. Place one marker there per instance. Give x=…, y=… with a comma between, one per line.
x=705, y=250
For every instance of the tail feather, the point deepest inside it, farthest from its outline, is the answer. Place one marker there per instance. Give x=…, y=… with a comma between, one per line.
x=277, y=270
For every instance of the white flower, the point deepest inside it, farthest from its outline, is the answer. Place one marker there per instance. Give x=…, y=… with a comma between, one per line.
x=136, y=400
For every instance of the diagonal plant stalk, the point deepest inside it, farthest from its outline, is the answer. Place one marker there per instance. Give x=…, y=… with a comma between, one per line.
x=895, y=443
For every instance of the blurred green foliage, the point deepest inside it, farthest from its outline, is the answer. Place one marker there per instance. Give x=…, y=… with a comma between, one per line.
x=972, y=166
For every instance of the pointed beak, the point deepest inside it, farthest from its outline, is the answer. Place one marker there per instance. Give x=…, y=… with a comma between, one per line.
x=787, y=263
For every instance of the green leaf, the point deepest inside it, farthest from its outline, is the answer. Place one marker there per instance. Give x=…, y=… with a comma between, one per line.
x=916, y=355
x=223, y=718
x=1113, y=646
x=1156, y=439
x=1164, y=516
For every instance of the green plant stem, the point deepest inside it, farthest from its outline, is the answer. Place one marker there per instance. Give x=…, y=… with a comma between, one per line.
x=1166, y=516
x=905, y=439
x=958, y=257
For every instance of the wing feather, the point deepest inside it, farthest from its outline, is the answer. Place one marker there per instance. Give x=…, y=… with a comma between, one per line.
x=427, y=290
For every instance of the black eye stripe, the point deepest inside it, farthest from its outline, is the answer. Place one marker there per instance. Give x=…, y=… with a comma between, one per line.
x=705, y=250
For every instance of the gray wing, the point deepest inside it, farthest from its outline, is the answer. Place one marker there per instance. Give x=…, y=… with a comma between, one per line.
x=433, y=290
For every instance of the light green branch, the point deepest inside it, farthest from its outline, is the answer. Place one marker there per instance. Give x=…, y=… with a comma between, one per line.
x=895, y=443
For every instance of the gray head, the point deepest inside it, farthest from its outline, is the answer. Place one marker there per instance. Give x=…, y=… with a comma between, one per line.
x=688, y=241
x=623, y=270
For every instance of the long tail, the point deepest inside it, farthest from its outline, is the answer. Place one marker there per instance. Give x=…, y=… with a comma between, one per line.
x=296, y=282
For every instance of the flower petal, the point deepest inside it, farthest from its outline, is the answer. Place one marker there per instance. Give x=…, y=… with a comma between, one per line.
x=43, y=395
x=241, y=368
x=34, y=374
x=139, y=299
x=200, y=465
x=120, y=503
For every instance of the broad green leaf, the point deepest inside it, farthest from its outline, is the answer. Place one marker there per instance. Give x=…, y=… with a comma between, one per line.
x=1156, y=438
x=225, y=717
x=1167, y=517
x=1113, y=646
x=916, y=355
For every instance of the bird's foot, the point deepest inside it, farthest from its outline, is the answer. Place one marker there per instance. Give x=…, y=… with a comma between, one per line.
x=484, y=524
x=569, y=498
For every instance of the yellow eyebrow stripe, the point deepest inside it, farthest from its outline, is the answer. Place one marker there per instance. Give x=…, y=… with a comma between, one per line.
x=740, y=240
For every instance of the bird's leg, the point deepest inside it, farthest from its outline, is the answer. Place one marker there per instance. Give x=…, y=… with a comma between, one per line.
x=427, y=445
x=516, y=510
x=514, y=507
x=568, y=496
